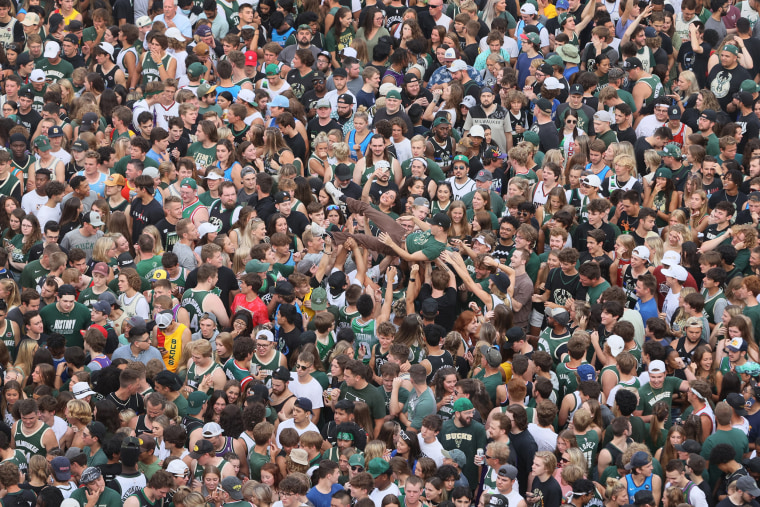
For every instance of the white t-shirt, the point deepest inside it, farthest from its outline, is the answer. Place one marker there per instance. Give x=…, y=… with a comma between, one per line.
x=290, y=423
x=545, y=438
x=432, y=451
x=377, y=495
x=311, y=390
x=46, y=214
x=31, y=202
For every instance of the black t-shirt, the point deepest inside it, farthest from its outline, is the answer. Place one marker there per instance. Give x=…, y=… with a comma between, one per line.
x=548, y=134
x=168, y=234
x=470, y=53
x=641, y=146
x=264, y=207
x=627, y=223
x=24, y=497
x=144, y=215
x=447, y=304
x=300, y=84
x=382, y=114
x=604, y=263
x=725, y=83
x=750, y=125
x=122, y=9
x=309, y=101
x=375, y=190
x=694, y=62
x=406, y=100
x=581, y=233
x=135, y=402
x=625, y=135
x=289, y=342
x=737, y=200
x=313, y=128
x=29, y=120
x=297, y=222
x=561, y=287
x=549, y=492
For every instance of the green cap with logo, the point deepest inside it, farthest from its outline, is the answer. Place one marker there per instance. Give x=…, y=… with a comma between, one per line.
x=195, y=402
x=42, y=143
x=750, y=86
x=670, y=150
x=462, y=158
x=663, y=172
x=318, y=299
x=272, y=69
x=189, y=182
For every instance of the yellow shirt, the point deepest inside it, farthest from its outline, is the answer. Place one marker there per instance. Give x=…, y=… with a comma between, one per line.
x=173, y=347
x=550, y=11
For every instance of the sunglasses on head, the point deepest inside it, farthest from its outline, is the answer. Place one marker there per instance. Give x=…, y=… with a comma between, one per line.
x=332, y=207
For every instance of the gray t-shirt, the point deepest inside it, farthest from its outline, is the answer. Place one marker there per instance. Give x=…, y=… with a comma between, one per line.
x=75, y=239
x=718, y=26
x=185, y=255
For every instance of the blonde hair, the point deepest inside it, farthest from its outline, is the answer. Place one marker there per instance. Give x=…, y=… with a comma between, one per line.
x=158, y=247
x=626, y=161
x=652, y=160
x=14, y=297
x=80, y=409
x=656, y=249
x=614, y=487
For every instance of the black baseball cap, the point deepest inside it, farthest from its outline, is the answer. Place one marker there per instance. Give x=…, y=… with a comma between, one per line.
x=441, y=220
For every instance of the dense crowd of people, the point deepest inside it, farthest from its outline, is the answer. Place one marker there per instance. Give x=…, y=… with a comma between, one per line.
x=350, y=253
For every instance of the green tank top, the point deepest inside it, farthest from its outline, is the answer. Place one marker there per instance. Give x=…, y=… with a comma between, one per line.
x=365, y=339
x=192, y=301
x=150, y=69
x=188, y=212
x=656, y=86
x=30, y=445
x=267, y=368
x=24, y=167
x=235, y=372
x=194, y=377
x=710, y=304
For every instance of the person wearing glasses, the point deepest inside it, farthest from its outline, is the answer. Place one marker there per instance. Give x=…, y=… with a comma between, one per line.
x=306, y=386
x=138, y=348
x=461, y=183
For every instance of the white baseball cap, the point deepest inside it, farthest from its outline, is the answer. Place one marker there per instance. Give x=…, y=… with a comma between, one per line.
x=552, y=83
x=616, y=343
x=174, y=33
x=528, y=9
x=457, y=65
x=52, y=49
x=37, y=76
x=477, y=131
x=592, y=179
x=211, y=429
x=677, y=272
x=641, y=252
x=657, y=366
x=107, y=47
x=671, y=258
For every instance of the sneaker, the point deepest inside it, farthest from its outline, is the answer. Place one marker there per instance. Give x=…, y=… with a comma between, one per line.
x=334, y=192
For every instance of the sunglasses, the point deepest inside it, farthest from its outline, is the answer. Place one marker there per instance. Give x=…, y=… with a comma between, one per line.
x=571, y=122
x=332, y=207
x=459, y=168
x=357, y=468
x=302, y=367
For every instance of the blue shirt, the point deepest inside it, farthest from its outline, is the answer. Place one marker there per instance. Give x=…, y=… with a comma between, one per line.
x=144, y=356
x=183, y=24
x=648, y=309
x=321, y=499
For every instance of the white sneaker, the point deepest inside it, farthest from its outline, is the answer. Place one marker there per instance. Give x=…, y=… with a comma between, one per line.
x=333, y=192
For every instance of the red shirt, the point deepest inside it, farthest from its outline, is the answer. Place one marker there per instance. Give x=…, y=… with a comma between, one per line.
x=257, y=308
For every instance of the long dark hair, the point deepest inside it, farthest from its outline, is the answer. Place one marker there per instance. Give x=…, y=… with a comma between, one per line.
x=369, y=19
x=70, y=211
x=208, y=415
x=336, y=23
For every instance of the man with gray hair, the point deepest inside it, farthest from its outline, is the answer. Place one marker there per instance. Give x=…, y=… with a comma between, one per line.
x=173, y=19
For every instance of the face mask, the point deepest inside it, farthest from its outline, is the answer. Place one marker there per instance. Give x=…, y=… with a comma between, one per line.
x=185, y=12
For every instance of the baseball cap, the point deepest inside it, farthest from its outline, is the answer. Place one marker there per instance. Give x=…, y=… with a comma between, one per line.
x=484, y=176
x=204, y=89
x=52, y=49
x=81, y=390
x=393, y=94
x=586, y=372
x=737, y=344
x=498, y=500
x=304, y=404
x=201, y=447
x=642, y=252
x=576, y=89
x=677, y=272
x=441, y=220
x=429, y=307
x=197, y=69
x=616, y=344
x=690, y=446
x=461, y=405
x=256, y=266
x=67, y=290
x=61, y=467
x=639, y=459
x=710, y=114
x=748, y=485
x=670, y=150
x=251, y=58
x=457, y=65
x=632, y=63
x=177, y=468
x=674, y=113
x=592, y=180
x=42, y=143
x=195, y=402
x=55, y=131
x=164, y=319
x=318, y=299
x=30, y=19
x=211, y=429
x=491, y=354
x=501, y=281
x=603, y=115
x=561, y=315
x=657, y=366
x=552, y=83
x=281, y=373
x=531, y=37
x=450, y=54
x=233, y=487
x=377, y=467
x=544, y=105
x=508, y=471
x=477, y=131
x=143, y=21
x=168, y=379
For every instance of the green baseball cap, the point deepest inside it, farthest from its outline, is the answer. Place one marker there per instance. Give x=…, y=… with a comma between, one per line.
x=663, y=172
x=670, y=150
x=731, y=49
x=462, y=158
x=318, y=299
x=441, y=120
x=356, y=460
x=378, y=467
x=196, y=69
x=532, y=137
x=272, y=69
x=189, y=182
x=462, y=404
x=555, y=60
x=256, y=266
x=749, y=85
x=42, y=143
x=393, y=94
x=195, y=402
